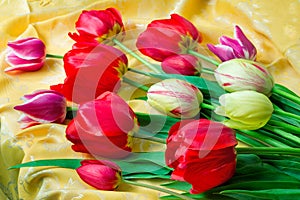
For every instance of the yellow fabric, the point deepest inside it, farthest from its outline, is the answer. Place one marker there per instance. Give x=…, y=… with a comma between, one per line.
x=273, y=27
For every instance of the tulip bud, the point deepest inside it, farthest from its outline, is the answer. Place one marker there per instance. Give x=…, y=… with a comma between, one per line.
x=26, y=55
x=182, y=64
x=247, y=109
x=230, y=48
x=43, y=106
x=176, y=98
x=103, y=175
x=239, y=74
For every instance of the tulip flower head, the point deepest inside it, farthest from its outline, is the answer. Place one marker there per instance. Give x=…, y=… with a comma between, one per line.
x=91, y=71
x=247, y=109
x=103, y=127
x=167, y=37
x=45, y=106
x=176, y=98
x=202, y=153
x=26, y=55
x=103, y=175
x=98, y=26
x=240, y=74
x=182, y=64
x=230, y=48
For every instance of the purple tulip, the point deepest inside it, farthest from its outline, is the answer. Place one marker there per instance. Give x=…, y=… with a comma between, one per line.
x=230, y=48
x=26, y=54
x=44, y=106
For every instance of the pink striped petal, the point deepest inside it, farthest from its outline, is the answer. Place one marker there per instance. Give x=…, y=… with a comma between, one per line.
x=222, y=51
x=248, y=46
x=29, y=48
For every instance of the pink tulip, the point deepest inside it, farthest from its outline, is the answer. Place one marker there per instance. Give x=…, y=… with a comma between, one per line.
x=229, y=48
x=103, y=175
x=26, y=55
x=43, y=106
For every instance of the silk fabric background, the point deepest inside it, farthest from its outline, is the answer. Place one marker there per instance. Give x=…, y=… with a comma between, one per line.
x=273, y=27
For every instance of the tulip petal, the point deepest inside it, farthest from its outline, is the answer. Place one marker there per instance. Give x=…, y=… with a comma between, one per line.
x=250, y=50
x=234, y=44
x=222, y=51
x=38, y=109
x=29, y=48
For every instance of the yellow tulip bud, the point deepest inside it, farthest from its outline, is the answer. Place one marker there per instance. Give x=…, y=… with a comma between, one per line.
x=247, y=109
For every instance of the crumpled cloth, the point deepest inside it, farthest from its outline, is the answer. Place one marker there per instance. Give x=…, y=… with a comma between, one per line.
x=273, y=27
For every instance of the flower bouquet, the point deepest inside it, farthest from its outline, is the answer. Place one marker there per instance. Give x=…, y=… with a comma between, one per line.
x=200, y=109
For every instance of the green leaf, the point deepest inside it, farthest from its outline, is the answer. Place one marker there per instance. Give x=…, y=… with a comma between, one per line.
x=155, y=123
x=208, y=87
x=285, y=104
x=178, y=185
x=249, y=140
x=156, y=157
x=145, y=176
x=281, y=194
x=65, y=163
x=281, y=87
x=142, y=167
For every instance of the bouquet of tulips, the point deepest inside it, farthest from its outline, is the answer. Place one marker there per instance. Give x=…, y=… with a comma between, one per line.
x=199, y=120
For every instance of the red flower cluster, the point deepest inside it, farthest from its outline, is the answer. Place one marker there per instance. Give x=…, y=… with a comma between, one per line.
x=201, y=153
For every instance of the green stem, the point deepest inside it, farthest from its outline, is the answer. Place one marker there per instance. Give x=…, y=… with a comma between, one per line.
x=207, y=106
x=283, y=134
x=286, y=94
x=133, y=83
x=148, y=137
x=288, y=127
x=268, y=150
x=139, y=58
x=248, y=140
x=284, y=113
x=207, y=71
x=206, y=58
x=264, y=139
x=72, y=108
x=53, y=56
x=158, y=189
x=139, y=72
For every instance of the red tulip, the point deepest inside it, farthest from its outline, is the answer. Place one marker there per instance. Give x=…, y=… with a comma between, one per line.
x=91, y=71
x=202, y=153
x=103, y=127
x=167, y=37
x=182, y=64
x=103, y=175
x=97, y=26
x=26, y=54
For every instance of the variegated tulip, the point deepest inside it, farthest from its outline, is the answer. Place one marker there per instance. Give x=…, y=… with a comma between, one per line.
x=176, y=98
x=230, y=48
x=240, y=74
